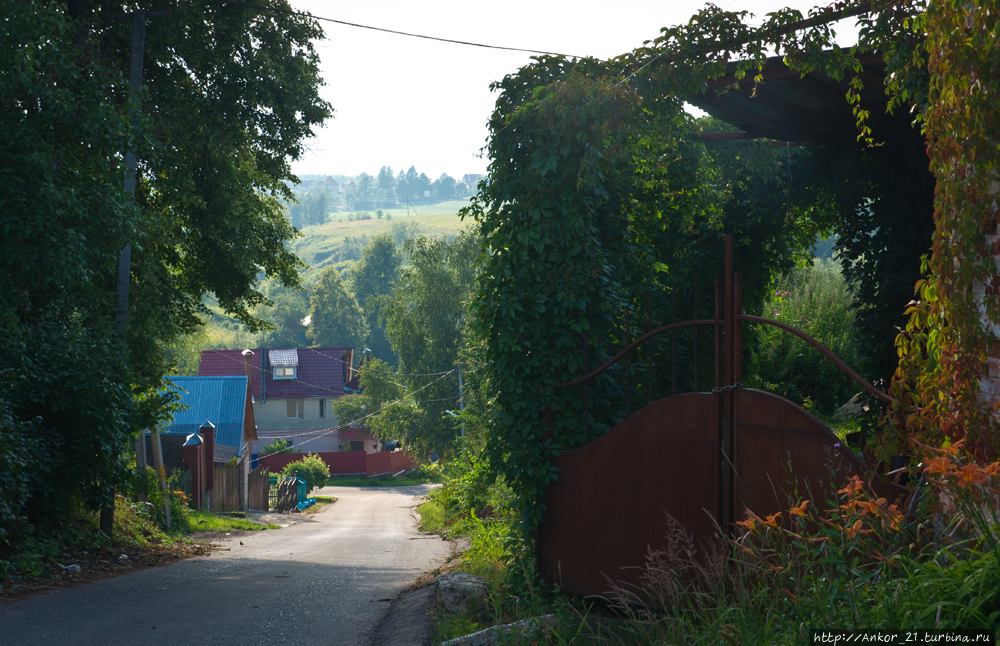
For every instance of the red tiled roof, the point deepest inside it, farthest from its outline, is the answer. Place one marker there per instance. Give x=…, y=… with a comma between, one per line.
x=320, y=372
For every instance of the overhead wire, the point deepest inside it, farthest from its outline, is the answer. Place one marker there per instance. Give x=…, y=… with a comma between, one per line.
x=333, y=429
x=331, y=390
x=351, y=365
x=397, y=374
x=399, y=33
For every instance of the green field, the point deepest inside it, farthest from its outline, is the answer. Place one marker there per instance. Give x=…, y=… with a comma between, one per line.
x=320, y=244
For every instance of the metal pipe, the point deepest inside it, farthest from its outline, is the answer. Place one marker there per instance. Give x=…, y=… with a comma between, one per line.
x=632, y=346
x=738, y=328
x=696, y=334
x=586, y=411
x=824, y=351
x=649, y=362
x=673, y=338
x=628, y=363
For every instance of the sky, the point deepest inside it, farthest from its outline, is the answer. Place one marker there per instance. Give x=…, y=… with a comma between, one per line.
x=402, y=101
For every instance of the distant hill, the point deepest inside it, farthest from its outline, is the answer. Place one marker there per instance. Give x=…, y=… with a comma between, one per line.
x=342, y=239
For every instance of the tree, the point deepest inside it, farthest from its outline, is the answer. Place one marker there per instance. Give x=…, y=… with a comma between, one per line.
x=207, y=217
x=336, y=318
x=365, y=191
x=351, y=411
x=422, y=186
x=279, y=445
x=443, y=187
x=425, y=320
x=402, y=187
x=385, y=182
x=411, y=183
x=65, y=410
x=289, y=307
x=372, y=277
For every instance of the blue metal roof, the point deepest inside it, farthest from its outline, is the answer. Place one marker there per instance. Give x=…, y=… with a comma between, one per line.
x=220, y=400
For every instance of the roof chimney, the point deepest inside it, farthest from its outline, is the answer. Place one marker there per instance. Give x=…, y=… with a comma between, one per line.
x=246, y=364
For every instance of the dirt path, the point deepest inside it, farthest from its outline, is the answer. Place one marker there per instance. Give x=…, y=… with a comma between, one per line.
x=324, y=580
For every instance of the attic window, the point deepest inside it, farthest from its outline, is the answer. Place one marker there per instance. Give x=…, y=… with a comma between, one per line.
x=285, y=362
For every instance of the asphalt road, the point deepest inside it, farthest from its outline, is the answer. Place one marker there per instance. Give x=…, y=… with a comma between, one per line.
x=320, y=581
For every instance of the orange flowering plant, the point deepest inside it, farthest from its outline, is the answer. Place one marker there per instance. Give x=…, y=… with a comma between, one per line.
x=827, y=559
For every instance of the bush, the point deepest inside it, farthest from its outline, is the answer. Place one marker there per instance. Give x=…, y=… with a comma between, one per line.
x=277, y=446
x=311, y=468
x=817, y=301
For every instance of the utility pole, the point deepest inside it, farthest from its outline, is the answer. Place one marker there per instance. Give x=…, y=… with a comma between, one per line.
x=124, y=270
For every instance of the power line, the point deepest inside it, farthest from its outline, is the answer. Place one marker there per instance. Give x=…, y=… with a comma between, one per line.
x=384, y=372
x=339, y=360
x=333, y=429
x=400, y=33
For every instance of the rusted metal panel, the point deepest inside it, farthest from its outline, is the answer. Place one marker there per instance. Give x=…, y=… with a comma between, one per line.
x=781, y=447
x=702, y=458
x=610, y=504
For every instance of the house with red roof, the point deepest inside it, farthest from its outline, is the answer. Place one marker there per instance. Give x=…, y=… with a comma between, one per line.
x=292, y=391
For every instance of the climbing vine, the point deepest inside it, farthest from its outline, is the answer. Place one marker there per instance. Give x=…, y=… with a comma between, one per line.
x=945, y=351
x=600, y=186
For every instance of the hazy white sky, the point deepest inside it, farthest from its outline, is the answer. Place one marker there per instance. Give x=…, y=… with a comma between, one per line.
x=405, y=101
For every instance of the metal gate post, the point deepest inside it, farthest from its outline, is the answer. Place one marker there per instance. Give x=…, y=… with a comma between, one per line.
x=729, y=338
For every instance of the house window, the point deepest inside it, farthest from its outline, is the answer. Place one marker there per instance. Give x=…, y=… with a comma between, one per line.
x=357, y=445
x=322, y=408
x=284, y=372
x=294, y=408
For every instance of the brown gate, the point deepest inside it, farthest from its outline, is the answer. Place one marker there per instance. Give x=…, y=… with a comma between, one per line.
x=703, y=458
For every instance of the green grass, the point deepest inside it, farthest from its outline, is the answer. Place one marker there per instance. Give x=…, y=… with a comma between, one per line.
x=206, y=521
x=416, y=477
x=432, y=518
x=433, y=220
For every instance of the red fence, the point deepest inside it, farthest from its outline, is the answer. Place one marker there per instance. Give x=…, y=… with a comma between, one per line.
x=386, y=462
x=347, y=462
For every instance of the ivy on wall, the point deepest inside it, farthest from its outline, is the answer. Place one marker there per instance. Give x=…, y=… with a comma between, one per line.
x=600, y=186
x=945, y=350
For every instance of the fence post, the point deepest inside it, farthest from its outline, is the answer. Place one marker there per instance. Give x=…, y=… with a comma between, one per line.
x=208, y=433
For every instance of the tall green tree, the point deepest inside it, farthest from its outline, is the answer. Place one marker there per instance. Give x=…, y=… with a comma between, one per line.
x=443, y=188
x=336, y=318
x=385, y=182
x=364, y=191
x=65, y=409
x=372, y=277
x=215, y=130
x=288, y=309
x=425, y=318
x=229, y=119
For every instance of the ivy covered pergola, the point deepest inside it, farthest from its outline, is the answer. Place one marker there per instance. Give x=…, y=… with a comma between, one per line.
x=601, y=183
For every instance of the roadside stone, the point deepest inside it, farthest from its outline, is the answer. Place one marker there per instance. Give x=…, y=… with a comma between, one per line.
x=499, y=634
x=461, y=592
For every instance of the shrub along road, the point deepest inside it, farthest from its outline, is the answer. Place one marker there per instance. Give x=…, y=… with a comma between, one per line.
x=324, y=580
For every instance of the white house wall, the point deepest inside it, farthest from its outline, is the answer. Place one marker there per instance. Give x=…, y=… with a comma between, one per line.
x=313, y=433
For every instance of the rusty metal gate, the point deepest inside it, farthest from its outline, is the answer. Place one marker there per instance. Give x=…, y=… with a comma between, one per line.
x=701, y=457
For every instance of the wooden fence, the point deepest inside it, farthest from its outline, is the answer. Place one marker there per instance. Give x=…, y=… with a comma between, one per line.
x=257, y=489
x=227, y=488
